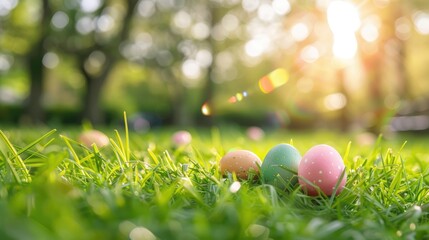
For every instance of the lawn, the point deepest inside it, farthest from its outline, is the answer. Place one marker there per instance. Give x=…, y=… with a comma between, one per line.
x=143, y=187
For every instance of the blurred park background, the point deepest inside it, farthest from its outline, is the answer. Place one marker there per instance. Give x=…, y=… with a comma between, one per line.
x=280, y=63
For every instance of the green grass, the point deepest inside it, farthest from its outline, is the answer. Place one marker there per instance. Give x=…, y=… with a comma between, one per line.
x=141, y=187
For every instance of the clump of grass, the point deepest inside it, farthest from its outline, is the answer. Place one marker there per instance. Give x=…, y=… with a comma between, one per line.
x=142, y=188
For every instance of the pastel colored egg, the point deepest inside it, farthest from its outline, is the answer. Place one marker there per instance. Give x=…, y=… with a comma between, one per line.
x=255, y=133
x=89, y=137
x=321, y=166
x=280, y=165
x=181, y=138
x=240, y=162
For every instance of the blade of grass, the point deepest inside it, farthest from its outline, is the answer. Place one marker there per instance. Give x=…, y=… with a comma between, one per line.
x=11, y=167
x=337, y=185
x=153, y=156
x=127, y=138
x=37, y=141
x=346, y=154
x=394, y=185
x=73, y=152
x=16, y=157
x=119, y=153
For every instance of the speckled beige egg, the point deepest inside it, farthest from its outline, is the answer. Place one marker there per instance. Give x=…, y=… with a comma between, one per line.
x=89, y=137
x=240, y=162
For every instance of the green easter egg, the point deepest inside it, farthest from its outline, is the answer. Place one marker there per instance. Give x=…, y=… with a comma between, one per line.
x=280, y=165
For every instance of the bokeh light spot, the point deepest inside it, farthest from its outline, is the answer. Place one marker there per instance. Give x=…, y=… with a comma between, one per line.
x=369, y=32
x=235, y=186
x=6, y=62
x=421, y=22
x=273, y=80
x=105, y=23
x=6, y=6
x=90, y=5
x=204, y=58
x=50, y=60
x=206, y=110
x=182, y=19
x=250, y=5
x=310, y=54
x=146, y=8
x=403, y=28
x=238, y=97
x=281, y=7
x=257, y=46
x=300, y=31
x=335, y=101
x=60, y=20
x=191, y=69
x=266, y=12
x=84, y=25
x=200, y=31
x=141, y=233
x=230, y=22
x=343, y=16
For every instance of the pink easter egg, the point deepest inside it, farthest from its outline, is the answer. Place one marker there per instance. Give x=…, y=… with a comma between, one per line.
x=255, y=133
x=89, y=137
x=322, y=166
x=181, y=138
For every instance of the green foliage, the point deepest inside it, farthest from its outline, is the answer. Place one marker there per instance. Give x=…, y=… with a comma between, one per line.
x=55, y=188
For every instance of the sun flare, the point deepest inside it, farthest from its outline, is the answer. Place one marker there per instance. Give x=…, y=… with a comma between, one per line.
x=344, y=21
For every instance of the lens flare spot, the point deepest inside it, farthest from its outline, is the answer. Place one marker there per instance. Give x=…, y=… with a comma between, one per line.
x=273, y=80
x=232, y=99
x=238, y=97
x=206, y=110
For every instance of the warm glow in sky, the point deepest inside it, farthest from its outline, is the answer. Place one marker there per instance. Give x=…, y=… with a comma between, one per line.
x=344, y=21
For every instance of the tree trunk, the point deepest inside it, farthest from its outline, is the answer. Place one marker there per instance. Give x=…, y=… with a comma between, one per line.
x=34, y=106
x=94, y=86
x=91, y=109
x=94, y=83
x=36, y=70
x=208, y=90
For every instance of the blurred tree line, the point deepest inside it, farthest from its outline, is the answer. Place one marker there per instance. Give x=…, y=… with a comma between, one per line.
x=87, y=58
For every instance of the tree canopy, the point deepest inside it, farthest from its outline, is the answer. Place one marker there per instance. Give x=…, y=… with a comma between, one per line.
x=187, y=61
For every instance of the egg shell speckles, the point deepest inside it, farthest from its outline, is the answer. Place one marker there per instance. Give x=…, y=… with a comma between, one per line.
x=323, y=166
x=240, y=162
x=277, y=159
